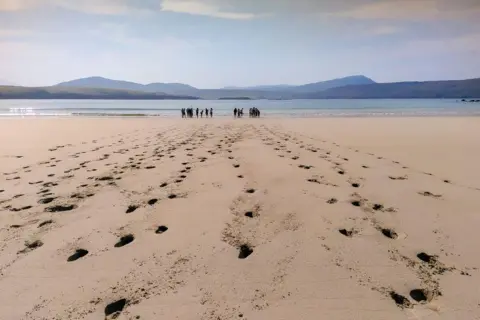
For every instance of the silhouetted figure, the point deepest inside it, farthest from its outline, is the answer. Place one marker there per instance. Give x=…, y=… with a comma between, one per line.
x=183, y=113
x=201, y=113
x=235, y=112
x=196, y=112
x=211, y=112
x=206, y=112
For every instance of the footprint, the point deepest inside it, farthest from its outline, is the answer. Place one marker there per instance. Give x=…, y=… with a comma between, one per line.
x=240, y=176
x=46, y=200
x=348, y=233
x=161, y=229
x=29, y=246
x=400, y=300
x=44, y=223
x=115, y=308
x=172, y=196
x=356, y=203
x=249, y=214
x=124, y=240
x=429, y=194
x=426, y=257
x=389, y=233
x=20, y=209
x=421, y=295
x=398, y=178
x=152, y=202
x=332, y=201
x=60, y=208
x=250, y=190
x=245, y=251
x=131, y=208
x=79, y=253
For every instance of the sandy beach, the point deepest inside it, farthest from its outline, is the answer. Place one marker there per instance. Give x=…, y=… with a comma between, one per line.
x=334, y=218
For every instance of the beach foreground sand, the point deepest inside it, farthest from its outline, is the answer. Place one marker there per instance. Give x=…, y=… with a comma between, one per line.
x=240, y=219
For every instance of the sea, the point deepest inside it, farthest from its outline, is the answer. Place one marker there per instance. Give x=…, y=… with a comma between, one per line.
x=224, y=108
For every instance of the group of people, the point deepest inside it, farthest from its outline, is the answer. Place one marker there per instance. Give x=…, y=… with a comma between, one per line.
x=237, y=112
x=188, y=112
x=254, y=112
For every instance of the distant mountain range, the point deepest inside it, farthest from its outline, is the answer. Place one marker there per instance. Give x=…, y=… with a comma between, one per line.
x=256, y=92
x=457, y=89
x=12, y=92
x=353, y=87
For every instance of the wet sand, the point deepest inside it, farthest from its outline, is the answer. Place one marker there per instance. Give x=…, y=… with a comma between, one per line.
x=335, y=218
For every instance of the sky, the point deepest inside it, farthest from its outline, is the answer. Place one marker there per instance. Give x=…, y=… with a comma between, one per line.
x=217, y=43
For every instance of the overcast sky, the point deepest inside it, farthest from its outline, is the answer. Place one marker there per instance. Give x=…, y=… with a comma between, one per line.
x=216, y=43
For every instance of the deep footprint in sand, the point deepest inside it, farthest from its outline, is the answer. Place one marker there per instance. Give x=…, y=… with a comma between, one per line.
x=125, y=240
x=429, y=194
x=161, y=229
x=348, y=233
x=115, y=308
x=61, y=208
x=79, y=253
x=244, y=251
x=400, y=300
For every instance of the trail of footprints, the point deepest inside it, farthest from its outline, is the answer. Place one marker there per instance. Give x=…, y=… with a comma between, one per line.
x=426, y=266
x=162, y=146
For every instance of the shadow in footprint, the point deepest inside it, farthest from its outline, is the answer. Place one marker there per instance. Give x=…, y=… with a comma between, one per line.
x=429, y=194
x=115, y=308
x=245, y=251
x=44, y=223
x=152, y=201
x=124, y=240
x=79, y=253
x=161, y=229
x=389, y=233
x=420, y=295
x=332, y=201
x=61, y=208
x=400, y=300
x=426, y=257
x=46, y=200
x=131, y=208
x=348, y=233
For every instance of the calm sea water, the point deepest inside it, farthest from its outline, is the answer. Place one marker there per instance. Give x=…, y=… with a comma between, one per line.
x=269, y=108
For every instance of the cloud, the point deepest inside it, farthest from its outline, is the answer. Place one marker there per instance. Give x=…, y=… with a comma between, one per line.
x=203, y=8
x=100, y=7
x=17, y=5
x=412, y=10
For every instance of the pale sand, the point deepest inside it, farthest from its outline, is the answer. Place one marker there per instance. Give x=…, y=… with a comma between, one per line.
x=301, y=267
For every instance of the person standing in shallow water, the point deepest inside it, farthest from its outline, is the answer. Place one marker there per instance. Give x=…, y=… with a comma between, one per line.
x=206, y=112
x=211, y=112
x=197, y=112
x=235, y=112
